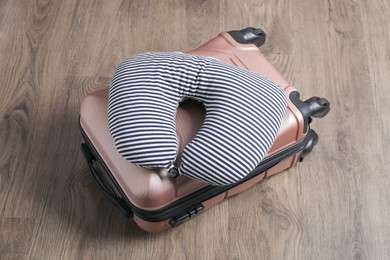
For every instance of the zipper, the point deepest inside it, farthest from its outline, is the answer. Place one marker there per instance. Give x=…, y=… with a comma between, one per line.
x=211, y=191
x=203, y=194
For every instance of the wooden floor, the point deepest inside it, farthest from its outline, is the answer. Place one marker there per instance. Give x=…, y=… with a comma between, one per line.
x=334, y=205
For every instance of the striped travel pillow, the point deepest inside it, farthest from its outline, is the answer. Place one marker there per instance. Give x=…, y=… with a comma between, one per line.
x=243, y=115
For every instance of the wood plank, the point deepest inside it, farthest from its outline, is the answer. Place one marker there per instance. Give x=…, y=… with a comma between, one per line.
x=16, y=237
x=333, y=205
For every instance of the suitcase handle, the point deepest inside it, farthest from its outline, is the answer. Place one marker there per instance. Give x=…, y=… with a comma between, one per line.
x=118, y=201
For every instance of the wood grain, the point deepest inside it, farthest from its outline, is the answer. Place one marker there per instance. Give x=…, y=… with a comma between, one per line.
x=334, y=205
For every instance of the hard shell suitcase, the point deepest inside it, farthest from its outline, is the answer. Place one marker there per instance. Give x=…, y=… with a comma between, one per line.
x=157, y=201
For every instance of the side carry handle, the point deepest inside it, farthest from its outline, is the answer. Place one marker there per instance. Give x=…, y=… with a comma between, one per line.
x=119, y=202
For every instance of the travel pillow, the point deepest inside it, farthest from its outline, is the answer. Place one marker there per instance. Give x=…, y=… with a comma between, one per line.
x=243, y=115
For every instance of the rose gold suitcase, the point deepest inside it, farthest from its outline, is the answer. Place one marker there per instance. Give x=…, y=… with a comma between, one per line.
x=157, y=201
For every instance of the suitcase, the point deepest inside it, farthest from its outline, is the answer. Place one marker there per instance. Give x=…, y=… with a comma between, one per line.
x=157, y=201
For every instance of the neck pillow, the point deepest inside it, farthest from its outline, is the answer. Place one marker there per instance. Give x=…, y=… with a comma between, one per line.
x=243, y=115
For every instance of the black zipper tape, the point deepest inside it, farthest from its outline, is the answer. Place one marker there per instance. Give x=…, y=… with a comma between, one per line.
x=196, y=198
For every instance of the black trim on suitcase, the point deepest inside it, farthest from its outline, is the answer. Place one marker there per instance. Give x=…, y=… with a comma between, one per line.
x=190, y=205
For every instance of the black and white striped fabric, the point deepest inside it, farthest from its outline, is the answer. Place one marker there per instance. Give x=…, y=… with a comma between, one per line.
x=243, y=115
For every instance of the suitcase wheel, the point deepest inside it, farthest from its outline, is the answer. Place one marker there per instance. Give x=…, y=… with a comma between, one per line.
x=249, y=35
